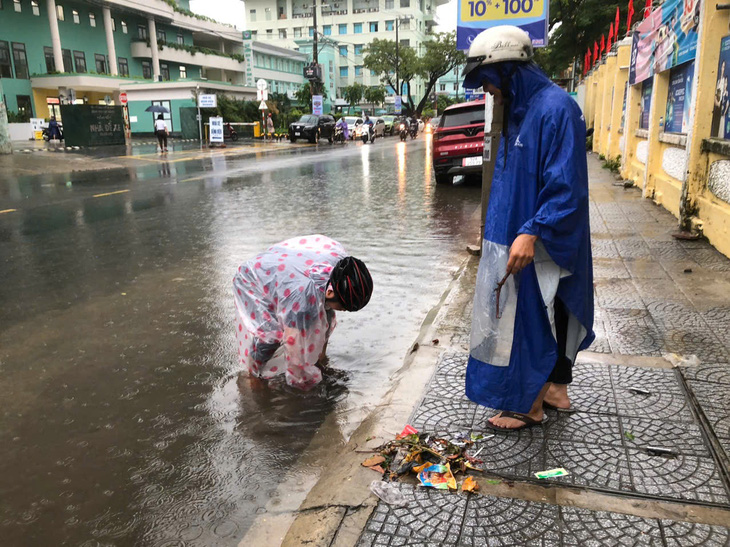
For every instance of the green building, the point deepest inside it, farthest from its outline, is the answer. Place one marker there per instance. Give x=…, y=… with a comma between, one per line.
x=55, y=52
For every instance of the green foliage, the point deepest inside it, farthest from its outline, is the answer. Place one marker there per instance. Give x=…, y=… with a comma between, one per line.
x=613, y=165
x=582, y=23
x=304, y=96
x=375, y=95
x=428, y=113
x=199, y=49
x=443, y=102
x=589, y=142
x=380, y=56
x=18, y=117
x=353, y=93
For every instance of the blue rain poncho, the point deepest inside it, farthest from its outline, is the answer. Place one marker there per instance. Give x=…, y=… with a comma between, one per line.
x=280, y=301
x=541, y=190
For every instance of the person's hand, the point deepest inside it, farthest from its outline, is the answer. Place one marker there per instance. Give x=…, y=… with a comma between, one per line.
x=521, y=253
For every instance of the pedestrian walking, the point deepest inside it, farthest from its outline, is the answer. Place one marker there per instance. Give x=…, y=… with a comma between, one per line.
x=533, y=305
x=286, y=297
x=54, y=131
x=161, y=132
x=270, y=126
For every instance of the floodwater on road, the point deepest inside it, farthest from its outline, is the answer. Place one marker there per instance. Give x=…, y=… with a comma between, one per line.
x=124, y=420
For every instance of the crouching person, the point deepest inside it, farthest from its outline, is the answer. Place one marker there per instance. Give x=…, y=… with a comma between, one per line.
x=286, y=297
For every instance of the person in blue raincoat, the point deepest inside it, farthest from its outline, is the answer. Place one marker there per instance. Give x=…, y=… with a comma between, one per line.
x=533, y=305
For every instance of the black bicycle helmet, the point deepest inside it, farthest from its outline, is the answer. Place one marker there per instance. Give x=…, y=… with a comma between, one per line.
x=352, y=284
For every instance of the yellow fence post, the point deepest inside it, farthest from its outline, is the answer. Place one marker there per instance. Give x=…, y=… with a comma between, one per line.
x=598, y=106
x=617, y=140
x=608, y=94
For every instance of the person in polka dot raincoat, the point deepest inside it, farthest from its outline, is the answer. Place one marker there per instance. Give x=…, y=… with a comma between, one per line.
x=287, y=297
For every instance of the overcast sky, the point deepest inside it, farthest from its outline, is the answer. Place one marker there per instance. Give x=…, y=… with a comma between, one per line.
x=233, y=12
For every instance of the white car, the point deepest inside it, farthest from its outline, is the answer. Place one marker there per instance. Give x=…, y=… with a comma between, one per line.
x=352, y=123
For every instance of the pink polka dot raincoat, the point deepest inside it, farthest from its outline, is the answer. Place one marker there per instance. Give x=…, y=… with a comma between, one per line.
x=280, y=300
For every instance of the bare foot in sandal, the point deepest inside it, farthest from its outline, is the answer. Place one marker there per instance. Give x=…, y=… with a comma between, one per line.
x=557, y=397
x=513, y=421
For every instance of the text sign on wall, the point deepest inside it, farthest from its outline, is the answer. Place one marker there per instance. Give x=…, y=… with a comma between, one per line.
x=207, y=101
x=646, y=103
x=317, y=103
x=92, y=124
x=721, y=103
x=216, y=129
x=474, y=16
x=679, y=99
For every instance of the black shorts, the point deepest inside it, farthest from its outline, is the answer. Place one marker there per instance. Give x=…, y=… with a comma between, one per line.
x=563, y=371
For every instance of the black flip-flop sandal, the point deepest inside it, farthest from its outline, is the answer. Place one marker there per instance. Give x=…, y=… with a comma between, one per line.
x=529, y=422
x=548, y=406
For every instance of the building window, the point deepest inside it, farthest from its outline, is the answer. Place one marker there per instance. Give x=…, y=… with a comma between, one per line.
x=59, y=13
x=183, y=72
x=390, y=26
x=75, y=16
x=92, y=19
x=165, y=72
x=327, y=29
x=142, y=32
x=389, y=4
x=456, y=87
x=6, y=68
x=100, y=62
x=442, y=87
x=405, y=3
x=161, y=36
x=373, y=27
x=125, y=30
x=68, y=65
x=17, y=5
x=406, y=43
x=80, y=61
x=342, y=29
x=25, y=106
x=358, y=49
x=343, y=71
x=357, y=28
x=50, y=61
x=405, y=24
x=123, y=66
x=21, y=61
x=343, y=51
x=267, y=12
x=252, y=15
x=298, y=32
x=282, y=33
x=147, y=70
x=311, y=32
x=114, y=25
x=358, y=70
x=34, y=7
x=180, y=39
x=373, y=73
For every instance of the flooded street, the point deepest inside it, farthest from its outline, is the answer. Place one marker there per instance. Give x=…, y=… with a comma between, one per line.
x=124, y=420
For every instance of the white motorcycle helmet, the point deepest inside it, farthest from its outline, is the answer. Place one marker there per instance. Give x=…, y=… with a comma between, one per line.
x=496, y=45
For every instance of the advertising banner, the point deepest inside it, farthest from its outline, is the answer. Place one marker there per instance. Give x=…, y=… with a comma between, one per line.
x=665, y=39
x=721, y=106
x=475, y=16
x=646, y=90
x=216, y=129
x=317, y=103
x=679, y=99
x=398, y=104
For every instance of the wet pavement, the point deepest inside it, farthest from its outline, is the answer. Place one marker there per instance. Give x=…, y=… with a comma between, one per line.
x=124, y=419
x=655, y=296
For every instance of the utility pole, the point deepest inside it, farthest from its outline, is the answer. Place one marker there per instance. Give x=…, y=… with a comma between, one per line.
x=397, y=55
x=314, y=85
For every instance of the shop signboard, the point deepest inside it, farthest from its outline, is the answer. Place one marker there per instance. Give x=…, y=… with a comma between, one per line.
x=474, y=16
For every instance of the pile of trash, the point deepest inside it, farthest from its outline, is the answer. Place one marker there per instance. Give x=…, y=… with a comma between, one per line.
x=434, y=459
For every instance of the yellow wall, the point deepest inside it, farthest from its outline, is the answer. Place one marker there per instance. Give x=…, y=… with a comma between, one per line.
x=696, y=207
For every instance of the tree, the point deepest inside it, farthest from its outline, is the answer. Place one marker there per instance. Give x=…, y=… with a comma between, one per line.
x=439, y=57
x=304, y=95
x=575, y=25
x=443, y=102
x=353, y=93
x=375, y=95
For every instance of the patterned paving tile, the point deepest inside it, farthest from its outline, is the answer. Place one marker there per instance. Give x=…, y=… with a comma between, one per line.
x=607, y=268
x=519, y=454
x=715, y=396
x=689, y=534
x=633, y=332
x=600, y=528
x=600, y=400
x=447, y=386
x=714, y=373
x=617, y=293
x=597, y=429
x=719, y=420
x=444, y=414
x=652, y=379
x=683, y=438
x=660, y=405
x=590, y=465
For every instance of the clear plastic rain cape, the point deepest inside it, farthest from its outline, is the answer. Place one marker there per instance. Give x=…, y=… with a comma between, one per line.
x=541, y=190
x=280, y=301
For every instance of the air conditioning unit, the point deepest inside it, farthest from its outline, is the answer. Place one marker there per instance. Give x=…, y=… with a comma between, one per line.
x=337, y=5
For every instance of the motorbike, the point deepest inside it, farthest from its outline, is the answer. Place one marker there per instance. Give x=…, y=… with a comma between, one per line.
x=230, y=133
x=368, y=134
x=47, y=134
x=413, y=130
x=339, y=135
x=403, y=132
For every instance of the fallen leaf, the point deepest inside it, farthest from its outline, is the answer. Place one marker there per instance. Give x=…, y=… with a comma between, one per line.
x=630, y=436
x=493, y=481
x=435, y=341
x=469, y=485
x=375, y=460
x=370, y=438
x=378, y=469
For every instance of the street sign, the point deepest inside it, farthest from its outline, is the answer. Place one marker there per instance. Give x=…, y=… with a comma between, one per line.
x=263, y=106
x=317, y=102
x=261, y=84
x=123, y=97
x=262, y=94
x=207, y=101
x=398, y=104
x=216, y=129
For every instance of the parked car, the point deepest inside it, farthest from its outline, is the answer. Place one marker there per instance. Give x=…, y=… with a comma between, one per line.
x=390, y=125
x=431, y=125
x=312, y=128
x=352, y=123
x=458, y=141
x=378, y=128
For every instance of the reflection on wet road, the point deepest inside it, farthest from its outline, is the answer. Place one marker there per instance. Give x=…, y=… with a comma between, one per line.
x=124, y=420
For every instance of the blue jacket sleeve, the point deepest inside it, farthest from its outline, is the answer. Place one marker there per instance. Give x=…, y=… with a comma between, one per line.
x=561, y=217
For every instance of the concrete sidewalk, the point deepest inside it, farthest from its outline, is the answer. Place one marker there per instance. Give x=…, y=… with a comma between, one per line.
x=654, y=295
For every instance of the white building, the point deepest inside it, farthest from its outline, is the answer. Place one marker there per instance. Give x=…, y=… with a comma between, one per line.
x=353, y=24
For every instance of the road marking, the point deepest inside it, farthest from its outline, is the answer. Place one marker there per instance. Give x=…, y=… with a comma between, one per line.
x=110, y=193
x=7, y=211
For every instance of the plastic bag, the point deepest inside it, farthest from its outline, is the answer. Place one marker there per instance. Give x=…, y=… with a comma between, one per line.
x=681, y=360
x=389, y=493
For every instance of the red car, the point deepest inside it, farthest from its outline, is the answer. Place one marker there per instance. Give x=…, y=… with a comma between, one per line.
x=458, y=141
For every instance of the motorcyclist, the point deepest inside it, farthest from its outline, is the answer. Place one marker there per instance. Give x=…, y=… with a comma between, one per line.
x=342, y=124
x=370, y=126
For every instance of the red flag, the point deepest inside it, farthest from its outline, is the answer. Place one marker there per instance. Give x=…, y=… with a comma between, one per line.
x=610, y=37
x=647, y=9
x=603, y=43
x=615, y=27
x=588, y=57
x=631, y=16
x=595, y=52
